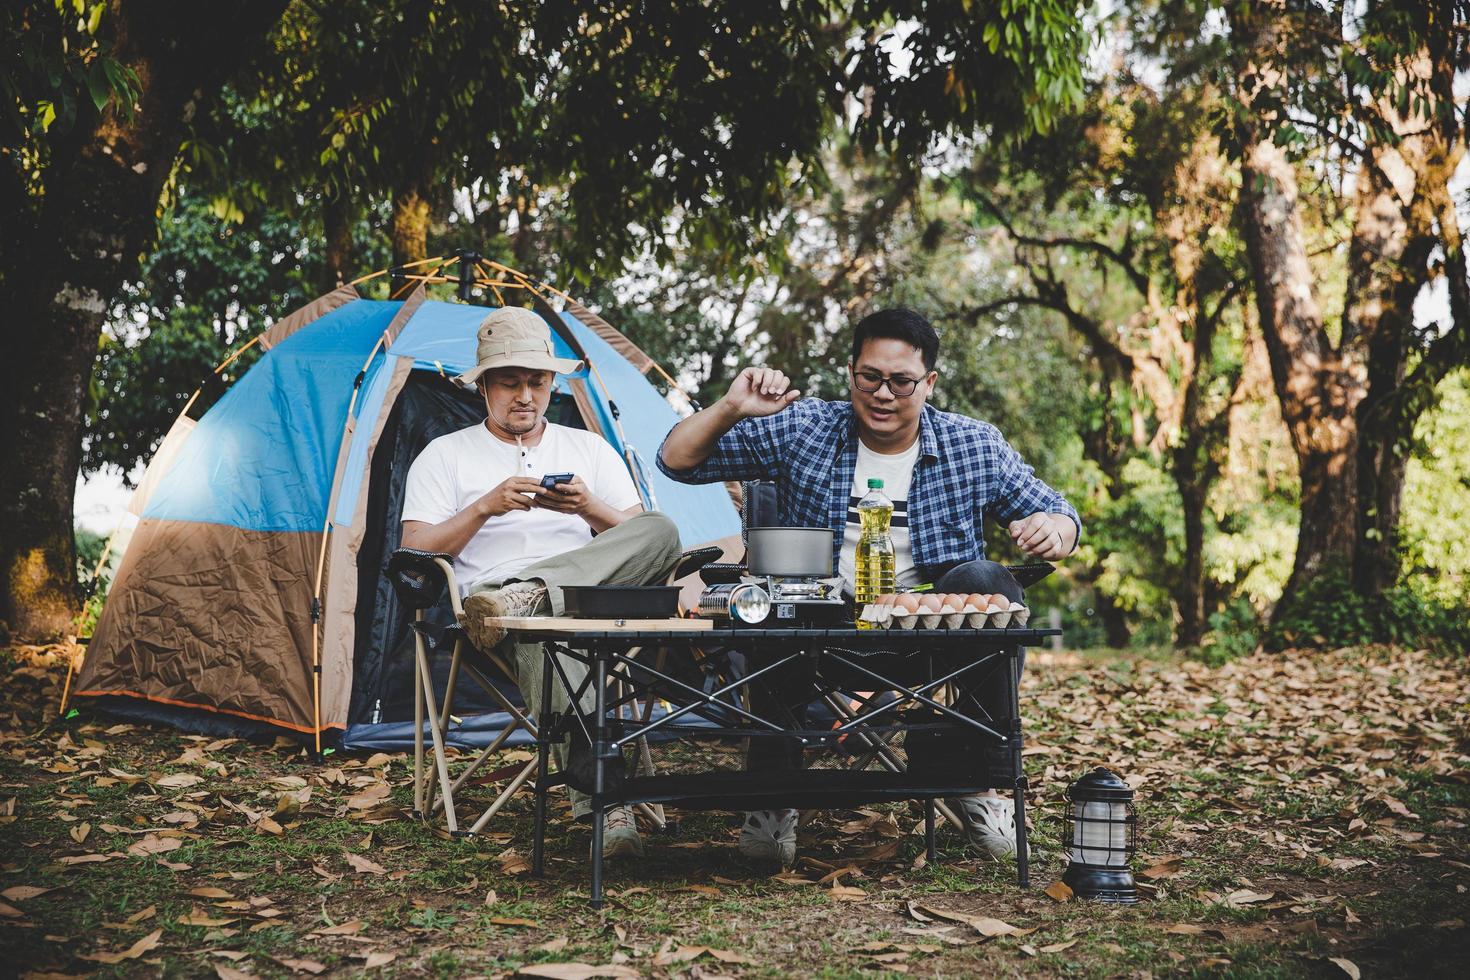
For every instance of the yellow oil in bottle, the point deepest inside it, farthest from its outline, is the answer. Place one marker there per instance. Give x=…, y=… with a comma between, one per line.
x=874, y=561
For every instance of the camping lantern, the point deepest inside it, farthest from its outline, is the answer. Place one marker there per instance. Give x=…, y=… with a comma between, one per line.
x=1100, y=838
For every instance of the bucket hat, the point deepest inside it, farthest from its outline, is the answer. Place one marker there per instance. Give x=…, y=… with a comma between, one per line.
x=515, y=337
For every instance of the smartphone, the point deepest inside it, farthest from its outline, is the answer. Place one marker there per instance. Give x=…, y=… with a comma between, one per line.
x=550, y=480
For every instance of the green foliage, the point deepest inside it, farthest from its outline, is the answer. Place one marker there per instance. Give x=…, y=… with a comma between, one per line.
x=1327, y=613
x=1235, y=631
x=60, y=67
x=210, y=286
x=93, y=582
x=1436, y=506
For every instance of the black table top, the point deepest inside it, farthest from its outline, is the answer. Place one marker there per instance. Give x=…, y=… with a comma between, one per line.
x=849, y=636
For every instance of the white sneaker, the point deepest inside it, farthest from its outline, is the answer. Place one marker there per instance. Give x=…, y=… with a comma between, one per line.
x=990, y=823
x=770, y=835
x=620, y=834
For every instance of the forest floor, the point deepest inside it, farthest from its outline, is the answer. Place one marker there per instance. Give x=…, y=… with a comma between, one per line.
x=1299, y=814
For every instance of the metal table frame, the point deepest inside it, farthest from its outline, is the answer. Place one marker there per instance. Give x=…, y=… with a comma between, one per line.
x=945, y=657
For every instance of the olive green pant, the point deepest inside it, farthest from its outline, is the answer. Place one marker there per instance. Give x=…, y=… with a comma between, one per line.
x=643, y=550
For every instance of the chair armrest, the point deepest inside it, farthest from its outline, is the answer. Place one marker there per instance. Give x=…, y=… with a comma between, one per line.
x=721, y=573
x=1029, y=574
x=421, y=577
x=693, y=560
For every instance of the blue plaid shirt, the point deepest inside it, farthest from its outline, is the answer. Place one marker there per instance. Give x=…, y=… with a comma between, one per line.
x=965, y=471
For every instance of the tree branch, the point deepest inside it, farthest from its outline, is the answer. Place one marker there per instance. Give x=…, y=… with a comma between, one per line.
x=1119, y=257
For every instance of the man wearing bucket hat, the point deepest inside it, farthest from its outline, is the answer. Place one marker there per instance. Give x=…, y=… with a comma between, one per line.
x=477, y=494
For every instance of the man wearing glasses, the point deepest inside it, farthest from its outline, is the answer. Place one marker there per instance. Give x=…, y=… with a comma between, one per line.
x=944, y=473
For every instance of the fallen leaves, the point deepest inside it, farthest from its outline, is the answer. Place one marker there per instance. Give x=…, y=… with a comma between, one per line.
x=983, y=924
x=364, y=865
x=576, y=971
x=513, y=863
x=1059, y=891
x=671, y=954
x=1346, y=966
x=1242, y=897
x=134, y=951
x=154, y=844
x=350, y=928
x=1169, y=867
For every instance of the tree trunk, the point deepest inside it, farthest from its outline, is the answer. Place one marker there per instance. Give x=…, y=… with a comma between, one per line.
x=1389, y=266
x=1115, y=620
x=337, y=219
x=410, y=225
x=81, y=242
x=1319, y=391
x=1189, y=596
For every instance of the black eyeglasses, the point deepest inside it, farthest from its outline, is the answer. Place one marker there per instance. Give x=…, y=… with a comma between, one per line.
x=871, y=381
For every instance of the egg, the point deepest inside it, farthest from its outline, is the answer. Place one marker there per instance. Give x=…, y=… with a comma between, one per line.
x=951, y=603
x=998, y=603
x=886, y=599
x=906, y=603
x=930, y=603
x=977, y=601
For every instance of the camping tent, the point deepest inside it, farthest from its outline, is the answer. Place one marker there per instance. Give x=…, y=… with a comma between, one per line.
x=252, y=598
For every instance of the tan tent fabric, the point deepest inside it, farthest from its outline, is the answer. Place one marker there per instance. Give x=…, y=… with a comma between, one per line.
x=314, y=310
x=405, y=313
x=212, y=617
x=612, y=335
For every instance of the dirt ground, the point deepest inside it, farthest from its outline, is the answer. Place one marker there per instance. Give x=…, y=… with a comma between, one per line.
x=1300, y=814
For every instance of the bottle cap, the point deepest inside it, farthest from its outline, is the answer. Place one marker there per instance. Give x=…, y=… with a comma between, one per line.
x=875, y=484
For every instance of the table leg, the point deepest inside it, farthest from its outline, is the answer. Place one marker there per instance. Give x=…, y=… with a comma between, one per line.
x=1023, y=868
x=599, y=785
x=543, y=755
x=929, y=851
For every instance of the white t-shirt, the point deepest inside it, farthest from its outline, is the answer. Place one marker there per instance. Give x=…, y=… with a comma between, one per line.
x=457, y=469
x=896, y=472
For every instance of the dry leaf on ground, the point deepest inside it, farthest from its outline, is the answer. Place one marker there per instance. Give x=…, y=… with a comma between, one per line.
x=134, y=951
x=1059, y=891
x=576, y=971
x=365, y=865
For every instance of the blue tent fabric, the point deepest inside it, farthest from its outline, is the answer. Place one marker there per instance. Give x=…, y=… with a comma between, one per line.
x=262, y=458
x=263, y=461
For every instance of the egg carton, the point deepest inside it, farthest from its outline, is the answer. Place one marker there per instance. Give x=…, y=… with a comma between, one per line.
x=953, y=612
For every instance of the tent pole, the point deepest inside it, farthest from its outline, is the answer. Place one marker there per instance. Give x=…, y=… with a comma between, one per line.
x=318, y=616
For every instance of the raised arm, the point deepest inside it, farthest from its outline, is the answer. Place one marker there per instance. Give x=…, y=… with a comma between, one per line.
x=755, y=393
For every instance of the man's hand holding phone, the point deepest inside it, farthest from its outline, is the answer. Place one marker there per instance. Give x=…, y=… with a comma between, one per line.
x=515, y=493
x=564, y=493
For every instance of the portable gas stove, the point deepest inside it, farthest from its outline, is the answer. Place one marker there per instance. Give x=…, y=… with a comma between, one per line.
x=770, y=601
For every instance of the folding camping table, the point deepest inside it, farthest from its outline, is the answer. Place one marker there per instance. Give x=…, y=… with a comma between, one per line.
x=930, y=672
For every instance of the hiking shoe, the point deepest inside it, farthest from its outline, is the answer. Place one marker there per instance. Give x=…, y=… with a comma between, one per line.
x=770, y=835
x=620, y=834
x=990, y=823
x=515, y=599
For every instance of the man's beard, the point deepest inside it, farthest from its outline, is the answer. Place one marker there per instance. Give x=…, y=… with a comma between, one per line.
x=520, y=428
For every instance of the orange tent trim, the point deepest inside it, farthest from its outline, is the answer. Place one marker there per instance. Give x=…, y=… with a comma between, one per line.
x=303, y=729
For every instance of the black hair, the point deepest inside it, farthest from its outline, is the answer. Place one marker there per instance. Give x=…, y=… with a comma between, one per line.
x=902, y=324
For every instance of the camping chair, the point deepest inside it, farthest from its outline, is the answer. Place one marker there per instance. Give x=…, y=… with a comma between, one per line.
x=420, y=578
x=759, y=509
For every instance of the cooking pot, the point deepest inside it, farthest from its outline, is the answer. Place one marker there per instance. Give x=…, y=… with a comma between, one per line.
x=789, y=552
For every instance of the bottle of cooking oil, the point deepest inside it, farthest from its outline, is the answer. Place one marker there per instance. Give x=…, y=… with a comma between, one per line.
x=874, y=561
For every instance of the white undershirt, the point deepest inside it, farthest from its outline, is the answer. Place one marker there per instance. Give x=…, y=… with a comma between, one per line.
x=896, y=472
x=457, y=469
